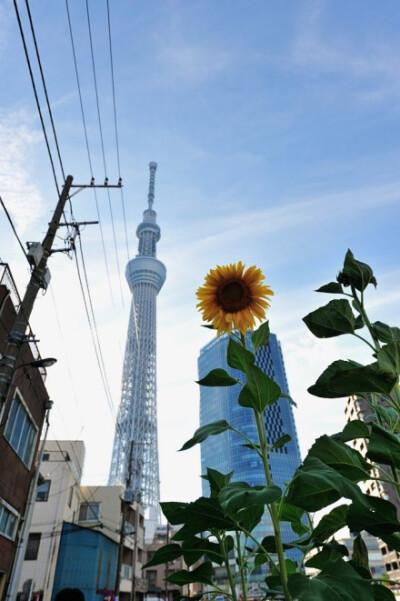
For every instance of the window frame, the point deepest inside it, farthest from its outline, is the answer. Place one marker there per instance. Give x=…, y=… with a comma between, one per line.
x=88, y=505
x=20, y=418
x=9, y=512
x=33, y=546
x=46, y=491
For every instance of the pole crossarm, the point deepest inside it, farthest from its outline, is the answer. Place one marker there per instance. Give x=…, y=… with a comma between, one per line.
x=18, y=333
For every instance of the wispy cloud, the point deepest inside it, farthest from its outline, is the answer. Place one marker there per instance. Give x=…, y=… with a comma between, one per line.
x=191, y=63
x=371, y=73
x=18, y=141
x=282, y=218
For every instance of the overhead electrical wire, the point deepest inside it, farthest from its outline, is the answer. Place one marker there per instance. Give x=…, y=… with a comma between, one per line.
x=94, y=332
x=45, y=87
x=102, y=145
x=36, y=95
x=88, y=149
x=13, y=227
x=116, y=128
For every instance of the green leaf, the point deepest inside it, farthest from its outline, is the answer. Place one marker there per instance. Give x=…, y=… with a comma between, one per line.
x=278, y=444
x=384, y=447
x=173, y=511
x=194, y=548
x=376, y=516
x=390, y=416
x=360, y=553
x=240, y=495
x=184, y=533
x=332, y=288
x=341, y=457
x=291, y=513
x=331, y=523
x=382, y=593
x=206, y=513
x=355, y=273
x=338, y=581
x=385, y=333
x=389, y=358
x=260, y=337
x=164, y=554
x=288, y=398
x=217, y=480
x=317, y=485
x=329, y=552
x=392, y=540
x=239, y=357
x=204, y=432
x=202, y=574
x=218, y=377
x=249, y=517
x=354, y=429
x=275, y=579
x=345, y=378
x=333, y=319
x=259, y=390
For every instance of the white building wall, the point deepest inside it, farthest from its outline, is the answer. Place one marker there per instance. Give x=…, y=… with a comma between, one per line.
x=62, y=464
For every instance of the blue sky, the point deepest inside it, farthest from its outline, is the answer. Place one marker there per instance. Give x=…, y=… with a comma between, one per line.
x=276, y=130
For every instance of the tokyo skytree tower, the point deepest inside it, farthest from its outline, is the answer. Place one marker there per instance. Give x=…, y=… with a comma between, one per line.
x=135, y=440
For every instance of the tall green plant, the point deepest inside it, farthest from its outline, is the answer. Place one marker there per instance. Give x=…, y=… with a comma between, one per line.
x=215, y=527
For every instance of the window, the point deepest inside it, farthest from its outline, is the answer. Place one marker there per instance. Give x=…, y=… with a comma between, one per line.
x=32, y=547
x=8, y=521
x=46, y=457
x=42, y=493
x=89, y=512
x=152, y=579
x=20, y=430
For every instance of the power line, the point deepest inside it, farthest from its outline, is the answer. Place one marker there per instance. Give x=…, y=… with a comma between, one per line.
x=87, y=147
x=93, y=330
x=102, y=145
x=45, y=87
x=36, y=95
x=116, y=127
x=13, y=227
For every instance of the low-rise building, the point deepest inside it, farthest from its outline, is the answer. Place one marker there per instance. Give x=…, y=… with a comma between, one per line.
x=75, y=536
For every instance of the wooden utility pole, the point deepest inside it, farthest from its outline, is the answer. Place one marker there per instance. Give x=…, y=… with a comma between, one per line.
x=37, y=281
x=124, y=507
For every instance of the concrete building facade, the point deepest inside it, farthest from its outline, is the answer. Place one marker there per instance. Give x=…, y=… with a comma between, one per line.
x=358, y=408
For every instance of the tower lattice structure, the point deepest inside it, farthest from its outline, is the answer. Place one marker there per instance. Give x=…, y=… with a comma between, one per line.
x=135, y=452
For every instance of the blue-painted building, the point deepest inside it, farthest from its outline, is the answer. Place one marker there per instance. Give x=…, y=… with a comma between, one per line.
x=87, y=560
x=226, y=452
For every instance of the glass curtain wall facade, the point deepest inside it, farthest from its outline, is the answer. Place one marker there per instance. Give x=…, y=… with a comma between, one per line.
x=225, y=452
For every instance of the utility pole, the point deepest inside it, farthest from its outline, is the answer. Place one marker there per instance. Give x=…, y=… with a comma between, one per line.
x=37, y=281
x=124, y=506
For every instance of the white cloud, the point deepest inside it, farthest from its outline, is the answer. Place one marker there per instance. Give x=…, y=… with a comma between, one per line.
x=372, y=72
x=189, y=62
x=18, y=141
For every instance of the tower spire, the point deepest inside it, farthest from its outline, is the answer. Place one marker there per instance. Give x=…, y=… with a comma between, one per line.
x=153, y=168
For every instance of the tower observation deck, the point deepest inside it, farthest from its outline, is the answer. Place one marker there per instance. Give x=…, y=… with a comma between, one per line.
x=135, y=452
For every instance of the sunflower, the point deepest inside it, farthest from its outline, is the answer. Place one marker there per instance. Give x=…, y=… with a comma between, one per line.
x=233, y=297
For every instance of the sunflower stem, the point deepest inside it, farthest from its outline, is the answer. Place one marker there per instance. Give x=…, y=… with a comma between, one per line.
x=272, y=506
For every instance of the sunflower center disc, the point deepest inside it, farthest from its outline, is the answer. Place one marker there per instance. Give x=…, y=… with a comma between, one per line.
x=233, y=296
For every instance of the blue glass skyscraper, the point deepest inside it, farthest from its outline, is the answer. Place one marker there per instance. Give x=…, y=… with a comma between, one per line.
x=226, y=452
